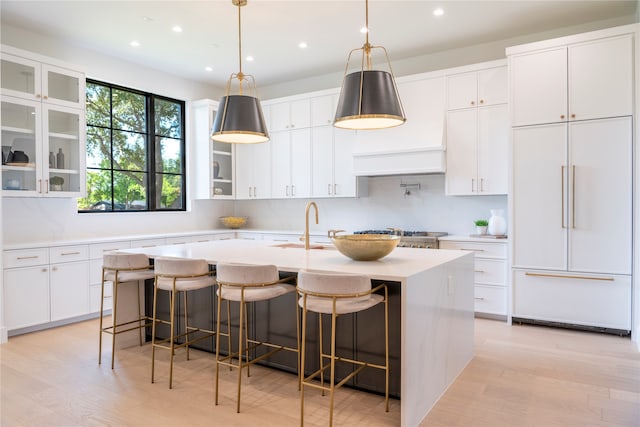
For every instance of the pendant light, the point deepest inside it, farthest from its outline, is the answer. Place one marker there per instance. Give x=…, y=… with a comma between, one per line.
x=239, y=119
x=369, y=98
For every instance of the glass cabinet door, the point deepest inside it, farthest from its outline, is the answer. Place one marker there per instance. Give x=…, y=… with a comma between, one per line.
x=65, y=151
x=21, y=151
x=63, y=87
x=20, y=77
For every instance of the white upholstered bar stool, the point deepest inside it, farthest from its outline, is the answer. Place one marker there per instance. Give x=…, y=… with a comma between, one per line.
x=178, y=275
x=246, y=284
x=122, y=269
x=338, y=294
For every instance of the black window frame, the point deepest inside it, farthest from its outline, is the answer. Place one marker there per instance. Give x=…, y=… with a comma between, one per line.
x=151, y=143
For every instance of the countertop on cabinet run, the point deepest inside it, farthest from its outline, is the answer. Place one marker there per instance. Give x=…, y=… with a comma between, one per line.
x=436, y=314
x=468, y=238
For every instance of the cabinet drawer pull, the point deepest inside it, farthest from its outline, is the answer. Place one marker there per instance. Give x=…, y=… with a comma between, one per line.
x=28, y=257
x=562, y=194
x=573, y=196
x=69, y=253
x=560, y=276
x=479, y=298
x=109, y=250
x=473, y=250
x=478, y=271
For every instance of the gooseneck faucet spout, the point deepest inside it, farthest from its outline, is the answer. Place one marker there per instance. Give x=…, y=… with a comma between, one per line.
x=306, y=224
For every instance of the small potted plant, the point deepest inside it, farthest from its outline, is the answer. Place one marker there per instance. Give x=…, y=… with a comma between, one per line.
x=56, y=183
x=481, y=226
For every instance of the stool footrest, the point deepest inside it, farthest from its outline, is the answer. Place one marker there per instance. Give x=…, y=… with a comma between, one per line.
x=208, y=333
x=113, y=329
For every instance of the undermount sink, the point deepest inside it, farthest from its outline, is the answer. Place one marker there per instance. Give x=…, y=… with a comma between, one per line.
x=297, y=245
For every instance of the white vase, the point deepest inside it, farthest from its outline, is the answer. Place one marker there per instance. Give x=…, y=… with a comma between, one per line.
x=497, y=223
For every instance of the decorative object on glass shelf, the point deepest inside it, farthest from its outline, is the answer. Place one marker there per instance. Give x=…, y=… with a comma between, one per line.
x=60, y=159
x=481, y=226
x=52, y=160
x=239, y=119
x=233, y=221
x=497, y=223
x=7, y=154
x=13, y=184
x=216, y=169
x=56, y=183
x=19, y=158
x=369, y=98
x=217, y=191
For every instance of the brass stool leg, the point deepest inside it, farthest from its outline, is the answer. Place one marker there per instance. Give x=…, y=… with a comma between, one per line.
x=333, y=363
x=229, y=331
x=386, y=348
x=171, y=335
x=115, y=320
x=140, y=321
x=240, y=350
x=295, y=301
x=153, y=328
x=218, y=337
x=320, y=345
x=246, y=340
x=186, y=324
x=302, y=357
x=101, y=316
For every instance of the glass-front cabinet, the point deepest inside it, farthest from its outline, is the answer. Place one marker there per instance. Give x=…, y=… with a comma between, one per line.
x=43, y=128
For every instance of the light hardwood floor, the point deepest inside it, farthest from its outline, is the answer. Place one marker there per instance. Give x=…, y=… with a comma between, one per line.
x=520, y=376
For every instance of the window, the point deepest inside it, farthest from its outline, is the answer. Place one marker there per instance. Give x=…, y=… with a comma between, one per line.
x=135, y=151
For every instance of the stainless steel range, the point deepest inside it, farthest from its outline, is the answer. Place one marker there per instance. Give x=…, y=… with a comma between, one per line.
x=411, y=239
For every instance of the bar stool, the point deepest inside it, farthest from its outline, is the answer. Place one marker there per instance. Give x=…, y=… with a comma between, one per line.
x=120, y=269
x=245, y=284
x=338, y=294
x=178, y=275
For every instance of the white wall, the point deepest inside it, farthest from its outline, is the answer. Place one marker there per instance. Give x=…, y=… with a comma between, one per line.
x=385, y=206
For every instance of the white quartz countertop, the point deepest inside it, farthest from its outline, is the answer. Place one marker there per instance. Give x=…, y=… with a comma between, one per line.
x=398, y=265
x=462, y=238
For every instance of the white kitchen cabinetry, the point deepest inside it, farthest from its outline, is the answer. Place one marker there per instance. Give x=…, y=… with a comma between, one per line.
x=213, y=173
x=288, y=115
x=572, y=196
x=417, y=146
x=291, y=163
x=490, y=277
x=69, y=281
x=253, y=171
x=323, y=109
x=43, y=114
x=575, y=81
x=477, y=132
x=332, y=154
x=477, y=151
x=26, y=287
x=477, y=88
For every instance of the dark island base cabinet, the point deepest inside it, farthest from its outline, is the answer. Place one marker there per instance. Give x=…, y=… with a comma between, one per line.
x=359, y=335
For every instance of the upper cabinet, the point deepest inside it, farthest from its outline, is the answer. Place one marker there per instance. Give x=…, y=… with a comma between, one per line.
x=213, y=174
x=477, y=132
x=43, y=127
x=477, y=88
x=291, y=163
x=576, y=81
x=253, y=171
x=288, y=115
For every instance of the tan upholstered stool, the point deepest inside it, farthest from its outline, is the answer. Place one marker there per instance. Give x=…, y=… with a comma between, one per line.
x=178, y=275
x=121, y=269
x=337, y=294
x=245, y=284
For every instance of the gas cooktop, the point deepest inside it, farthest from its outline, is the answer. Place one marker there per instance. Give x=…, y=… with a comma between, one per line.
x=410, y=239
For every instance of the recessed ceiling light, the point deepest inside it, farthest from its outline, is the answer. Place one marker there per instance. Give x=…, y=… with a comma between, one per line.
x=177, y=29
x=302, y=45
x=135, y=43
x=364, y=30
x=249, y=58
x=147, y=18
x=208, y=68
x=438, y=12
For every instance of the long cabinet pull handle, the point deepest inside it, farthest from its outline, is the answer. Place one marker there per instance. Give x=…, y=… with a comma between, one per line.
x=474, y=250
x=562, y=194
x=482, y=185
x=573, y=196
x=27, y=257
x=328, y=189
x=478, y=271
x=69, y=253
x=46, y=186
x=568, y=276
x=479, y=298
x=473, y=181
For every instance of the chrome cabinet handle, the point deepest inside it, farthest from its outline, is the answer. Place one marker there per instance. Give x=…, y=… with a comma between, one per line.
x=27, y=257
x=335, y=189
x=479, y=298
x=573, y=196
x=293, y=190
x=473, y=181
x=562, y=195
x=69, y=253
x=286, y=191
x=328, y=189
x=569, y=276
x=482, y=185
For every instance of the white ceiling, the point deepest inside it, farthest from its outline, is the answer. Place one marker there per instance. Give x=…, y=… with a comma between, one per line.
x=271, y=30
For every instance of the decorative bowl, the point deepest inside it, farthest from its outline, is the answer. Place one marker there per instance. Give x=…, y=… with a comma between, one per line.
x=233, y=221
x=364, y=247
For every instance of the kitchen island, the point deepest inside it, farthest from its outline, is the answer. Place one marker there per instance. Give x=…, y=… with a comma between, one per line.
x=436, y=304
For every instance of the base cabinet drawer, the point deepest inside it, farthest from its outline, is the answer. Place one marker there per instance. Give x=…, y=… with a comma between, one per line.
x=490, y=299
x=580, y=299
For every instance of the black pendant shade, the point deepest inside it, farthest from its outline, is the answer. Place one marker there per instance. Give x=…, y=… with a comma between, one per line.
x=239, y=121
x=369, y=100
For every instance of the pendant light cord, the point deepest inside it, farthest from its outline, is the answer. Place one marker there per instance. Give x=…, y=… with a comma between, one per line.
x=239, y=40
x=367, y=46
